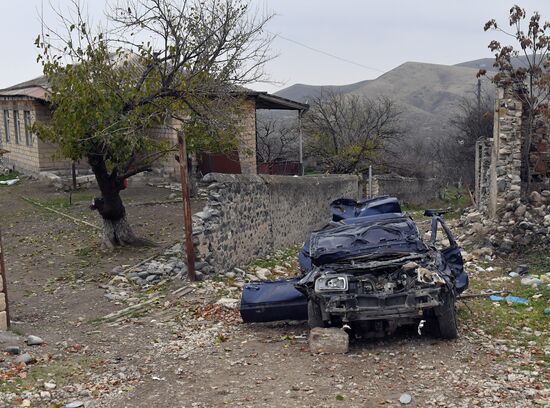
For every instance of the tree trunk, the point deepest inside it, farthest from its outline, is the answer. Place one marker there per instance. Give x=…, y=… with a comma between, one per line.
x=117, y=232
x=116, y=229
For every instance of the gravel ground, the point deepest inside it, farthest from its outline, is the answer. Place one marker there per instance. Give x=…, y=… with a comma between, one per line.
x=186, y=350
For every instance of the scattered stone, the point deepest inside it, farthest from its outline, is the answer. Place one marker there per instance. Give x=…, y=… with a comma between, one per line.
x=530, y=281
x=25, y=358
x=228, y=303
x=48, y=386
x=405, y=399
x=13, y=350
x=34, y=341
x=263, y=273
x=74, y=404
x=331, y=340
x=513, y=274
x=547, y=310
x=117, y=270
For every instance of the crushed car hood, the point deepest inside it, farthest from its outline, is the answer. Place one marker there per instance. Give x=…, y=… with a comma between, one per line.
x=374, y=237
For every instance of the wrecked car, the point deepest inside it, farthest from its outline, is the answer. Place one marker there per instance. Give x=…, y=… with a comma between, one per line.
x=370, y=271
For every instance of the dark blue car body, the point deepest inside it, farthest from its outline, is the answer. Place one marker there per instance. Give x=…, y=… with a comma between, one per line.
x=383, y=230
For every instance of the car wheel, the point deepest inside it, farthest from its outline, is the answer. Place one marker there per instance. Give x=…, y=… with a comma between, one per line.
x=314, y=315
x=446, y=317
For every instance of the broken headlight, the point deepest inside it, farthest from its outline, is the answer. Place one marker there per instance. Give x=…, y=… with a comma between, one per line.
x=331, y=284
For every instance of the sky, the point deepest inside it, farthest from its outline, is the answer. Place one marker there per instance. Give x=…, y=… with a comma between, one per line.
x=375, y=36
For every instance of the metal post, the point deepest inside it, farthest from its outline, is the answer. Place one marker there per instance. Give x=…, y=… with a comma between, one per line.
x=370, y=182
x=187, y=221
x=4, y=281
x=301, y=143
x=73, y=173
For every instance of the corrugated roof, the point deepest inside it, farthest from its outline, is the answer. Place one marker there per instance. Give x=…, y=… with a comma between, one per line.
x=32, y=92
x=36, y=88
x=40, y=81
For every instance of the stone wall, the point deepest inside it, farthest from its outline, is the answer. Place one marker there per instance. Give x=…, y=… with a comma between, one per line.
x=408, y=190
x=251, y=216
x=509, y=216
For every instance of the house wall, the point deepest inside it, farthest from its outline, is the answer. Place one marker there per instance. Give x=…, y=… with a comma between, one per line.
x=21, y=156
x=39, y=155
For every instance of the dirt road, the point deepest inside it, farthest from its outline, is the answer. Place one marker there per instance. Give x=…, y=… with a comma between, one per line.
x=188, y=352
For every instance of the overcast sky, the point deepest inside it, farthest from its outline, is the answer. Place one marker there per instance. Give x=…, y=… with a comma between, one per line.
x=378, y=35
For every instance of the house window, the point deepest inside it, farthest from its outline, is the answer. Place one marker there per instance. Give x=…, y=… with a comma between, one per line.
x=7, y=125
x=17, y=126
x=28, y=134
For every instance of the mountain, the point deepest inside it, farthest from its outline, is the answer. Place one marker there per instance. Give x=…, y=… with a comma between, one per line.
x=487, y=63
x=429, y=95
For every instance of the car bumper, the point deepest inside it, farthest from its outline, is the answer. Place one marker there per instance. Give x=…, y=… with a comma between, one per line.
x=352, y=307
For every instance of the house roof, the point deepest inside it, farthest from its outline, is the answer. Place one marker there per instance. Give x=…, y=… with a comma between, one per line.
x=36, y=88
x=39, y=87
x=265, y=100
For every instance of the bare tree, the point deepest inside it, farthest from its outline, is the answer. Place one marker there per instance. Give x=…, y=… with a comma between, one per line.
x=164, y=63
x=456, y=152
x=530, y=82
x=277, y=139
x=346, y=133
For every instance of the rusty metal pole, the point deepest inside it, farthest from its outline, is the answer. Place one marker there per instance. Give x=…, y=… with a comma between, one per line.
x=187, y=221
x=4, y=281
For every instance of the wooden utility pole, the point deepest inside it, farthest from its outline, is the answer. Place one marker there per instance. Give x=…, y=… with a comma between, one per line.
x=4, y=281
x=187, y=221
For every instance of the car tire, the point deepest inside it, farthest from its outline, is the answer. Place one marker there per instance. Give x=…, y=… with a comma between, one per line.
x=314, y=315
x=445, y=316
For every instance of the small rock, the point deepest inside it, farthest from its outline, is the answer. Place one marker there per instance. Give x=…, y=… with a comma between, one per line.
x=172, y=196
x=263, y=273
x=74, y=404
x=34, y=341
x=25, y=358
x=530, y=281
x=45, y=394
x=513, y=274
x=13, y=350
x=405, y=399
x=151, y=278
x=49, y=386
x=117, y=270
x=547, y=310
x=228, y=303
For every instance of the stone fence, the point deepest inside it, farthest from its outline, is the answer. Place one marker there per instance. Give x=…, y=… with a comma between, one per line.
x=250, y=216
x=408, y=190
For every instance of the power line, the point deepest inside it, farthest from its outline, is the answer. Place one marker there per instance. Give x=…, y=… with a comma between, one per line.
x=327, y=53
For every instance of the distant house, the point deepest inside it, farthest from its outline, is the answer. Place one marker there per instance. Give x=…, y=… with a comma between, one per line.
x=22, y=104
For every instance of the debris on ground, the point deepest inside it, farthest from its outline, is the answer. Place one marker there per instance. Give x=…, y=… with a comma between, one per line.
x=509, y=299
x=405, y=399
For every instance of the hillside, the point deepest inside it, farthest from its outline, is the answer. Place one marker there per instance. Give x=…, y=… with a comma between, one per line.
x=428, y=94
